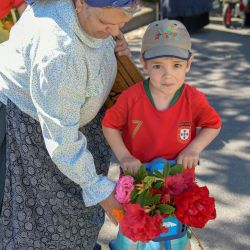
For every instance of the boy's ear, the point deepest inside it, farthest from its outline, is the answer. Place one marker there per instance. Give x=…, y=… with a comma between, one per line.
x=144, y=64
x=189, y=62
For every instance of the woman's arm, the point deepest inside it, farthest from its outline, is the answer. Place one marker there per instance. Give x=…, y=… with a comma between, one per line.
x=58, y=92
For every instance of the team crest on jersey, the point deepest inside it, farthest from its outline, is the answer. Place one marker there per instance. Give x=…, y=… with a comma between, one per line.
x=184, y=132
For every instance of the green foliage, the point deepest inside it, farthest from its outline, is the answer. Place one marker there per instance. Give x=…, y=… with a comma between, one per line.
x=158, y=174
x=166, y=209
x=176, y=169
x=141, y=198
x=157, y=198
x=140, y=174
x=166, y=170
x=145, y=181
x=149, y=199
x=134, y=194
x=157, y=185
x=149, y=180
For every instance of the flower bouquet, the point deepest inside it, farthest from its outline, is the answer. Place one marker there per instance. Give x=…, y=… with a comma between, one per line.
x=155, y=194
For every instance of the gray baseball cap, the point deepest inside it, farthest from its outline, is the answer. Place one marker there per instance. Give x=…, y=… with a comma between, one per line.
x=166, y=38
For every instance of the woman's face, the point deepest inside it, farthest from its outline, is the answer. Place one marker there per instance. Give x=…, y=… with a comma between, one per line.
x=102, y=22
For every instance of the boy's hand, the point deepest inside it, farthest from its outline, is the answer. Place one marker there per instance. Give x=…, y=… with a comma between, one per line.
x=188, y=158
x=131, y=164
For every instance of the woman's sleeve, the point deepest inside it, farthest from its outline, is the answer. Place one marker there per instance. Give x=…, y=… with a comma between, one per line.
x=58, y=92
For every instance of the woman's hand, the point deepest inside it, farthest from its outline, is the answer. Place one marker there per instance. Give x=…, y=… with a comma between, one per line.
x=108, y=205
x=121, y=48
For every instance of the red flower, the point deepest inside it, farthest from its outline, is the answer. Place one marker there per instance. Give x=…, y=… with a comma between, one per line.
x=178, y=183
x=191, y=171
x=165, y=197
x=194, y=207
x=139, y=226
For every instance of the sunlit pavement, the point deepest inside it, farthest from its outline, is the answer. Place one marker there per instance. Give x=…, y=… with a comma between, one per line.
x=221, y=70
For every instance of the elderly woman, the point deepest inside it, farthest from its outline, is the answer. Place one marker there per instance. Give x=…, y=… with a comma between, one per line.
x=59, y=66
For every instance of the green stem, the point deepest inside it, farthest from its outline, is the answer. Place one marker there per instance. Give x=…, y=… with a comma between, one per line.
x=197, y=238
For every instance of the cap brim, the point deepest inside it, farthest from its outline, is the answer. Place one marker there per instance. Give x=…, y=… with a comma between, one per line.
x=166, y=51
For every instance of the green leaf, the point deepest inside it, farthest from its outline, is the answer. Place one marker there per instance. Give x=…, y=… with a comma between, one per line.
x=134, y=195
x=148, y=181
x=141, y=198
x=176, y=169
x=157, y=185
x=166, y=209
x=166, y=170
x=158, y=174
x=149, y=199
x=141, y=191
x=140, y=174
x=157, y=198
x=150, y=174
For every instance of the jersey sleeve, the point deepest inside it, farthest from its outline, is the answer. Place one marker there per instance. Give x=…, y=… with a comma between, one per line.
x=116, y=116
x=204, y=114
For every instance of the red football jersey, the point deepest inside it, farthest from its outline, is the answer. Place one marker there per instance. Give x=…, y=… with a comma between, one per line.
x=149, y=133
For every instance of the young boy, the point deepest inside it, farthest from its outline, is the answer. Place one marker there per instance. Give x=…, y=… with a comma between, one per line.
x=159, y=117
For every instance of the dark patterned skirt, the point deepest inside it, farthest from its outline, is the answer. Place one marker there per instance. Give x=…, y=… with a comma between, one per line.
x=42, y=208
x=2, y=151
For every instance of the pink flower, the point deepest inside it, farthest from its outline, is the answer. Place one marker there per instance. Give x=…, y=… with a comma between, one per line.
x=178, y=183
x=124, y=187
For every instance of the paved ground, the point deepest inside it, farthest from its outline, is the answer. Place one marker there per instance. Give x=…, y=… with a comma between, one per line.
x=222, y=71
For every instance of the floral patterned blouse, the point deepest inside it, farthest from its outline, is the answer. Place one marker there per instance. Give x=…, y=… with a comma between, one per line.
x=54, y=72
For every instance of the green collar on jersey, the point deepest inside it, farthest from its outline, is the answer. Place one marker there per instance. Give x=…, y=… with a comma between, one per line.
x=174, y=99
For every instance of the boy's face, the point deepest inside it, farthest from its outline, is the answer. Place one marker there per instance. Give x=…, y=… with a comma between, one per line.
x=166, y=74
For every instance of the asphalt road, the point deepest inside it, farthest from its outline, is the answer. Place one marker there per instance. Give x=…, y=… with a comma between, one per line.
x=221, y=70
